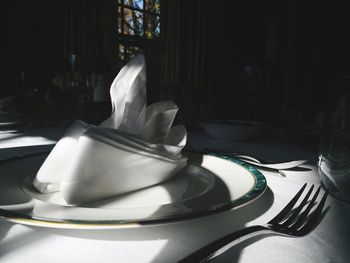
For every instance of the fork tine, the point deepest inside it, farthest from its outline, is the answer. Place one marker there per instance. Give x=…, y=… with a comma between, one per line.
x=287, y=208
x=298, y=209
x=219, y=246
x=314, y=218
x=306, y=212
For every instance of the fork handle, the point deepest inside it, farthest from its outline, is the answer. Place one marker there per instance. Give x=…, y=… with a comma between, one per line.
x=221, y=245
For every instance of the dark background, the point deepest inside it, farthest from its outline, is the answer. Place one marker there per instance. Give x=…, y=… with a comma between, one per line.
x=34, y=38
x=308, y=49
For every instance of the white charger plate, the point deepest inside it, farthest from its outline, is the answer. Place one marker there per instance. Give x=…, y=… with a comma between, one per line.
x=209, y=184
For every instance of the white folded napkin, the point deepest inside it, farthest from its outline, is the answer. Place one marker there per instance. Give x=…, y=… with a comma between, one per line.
x=159, y=118
x=128, y=96
x=107, y=163
x=57, y=162
x=135, y=147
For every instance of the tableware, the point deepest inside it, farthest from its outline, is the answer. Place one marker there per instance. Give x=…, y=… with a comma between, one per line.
x=11, y=126
x=258, y=162
x=26, y=126
x=12, y=154
x=24, y=119
x=137, y=146
x=334, y=150
x=272, y=167
x=209, y=184
x=232, y=130
x=11, y=142
x=280, y=165
x=17, y=109
x=8, y=116
x=291, y=222
x=251, y=79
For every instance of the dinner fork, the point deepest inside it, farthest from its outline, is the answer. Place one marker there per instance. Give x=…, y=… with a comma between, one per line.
x=289, y=222
x=254, y=161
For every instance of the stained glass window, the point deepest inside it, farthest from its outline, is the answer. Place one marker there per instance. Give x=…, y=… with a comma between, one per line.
x=138, y=27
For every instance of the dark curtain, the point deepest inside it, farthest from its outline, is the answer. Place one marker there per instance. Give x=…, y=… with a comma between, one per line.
x=34, y=32
x=184, y=36
x=90, y=25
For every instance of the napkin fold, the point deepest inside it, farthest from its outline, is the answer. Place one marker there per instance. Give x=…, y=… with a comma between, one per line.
x=128, y=97
x=135, y=147
x=56, y=165
x=107, y=163
x=159, y=119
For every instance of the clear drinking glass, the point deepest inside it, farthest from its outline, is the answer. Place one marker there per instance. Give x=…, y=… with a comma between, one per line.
x=334, y=151
x=251, y=81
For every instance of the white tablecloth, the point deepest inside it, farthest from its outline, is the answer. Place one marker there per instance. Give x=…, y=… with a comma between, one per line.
x=169, y=242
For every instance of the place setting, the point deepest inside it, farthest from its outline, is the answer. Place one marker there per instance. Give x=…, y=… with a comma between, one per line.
x=137, y=169
x=129, y=171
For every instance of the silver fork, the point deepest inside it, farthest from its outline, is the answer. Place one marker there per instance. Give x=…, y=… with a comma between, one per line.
x=262, y=165
x=289, y=222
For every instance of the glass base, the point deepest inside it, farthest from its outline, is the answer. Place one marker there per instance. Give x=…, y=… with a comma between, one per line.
x=333, y=190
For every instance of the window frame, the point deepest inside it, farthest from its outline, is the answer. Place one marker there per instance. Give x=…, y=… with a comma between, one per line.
x=141, y=42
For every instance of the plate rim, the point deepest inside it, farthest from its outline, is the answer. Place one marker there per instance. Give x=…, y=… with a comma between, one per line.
x=260, y=185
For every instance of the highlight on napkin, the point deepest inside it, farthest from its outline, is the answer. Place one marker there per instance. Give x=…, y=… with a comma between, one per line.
x=134, y=148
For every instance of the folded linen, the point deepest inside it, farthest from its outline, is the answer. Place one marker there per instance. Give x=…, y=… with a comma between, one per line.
x=135, y=147
x=107, y=163
x=128, y=97
x=56, y=164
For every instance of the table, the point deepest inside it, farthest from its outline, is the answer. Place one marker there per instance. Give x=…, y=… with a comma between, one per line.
x=169, y=242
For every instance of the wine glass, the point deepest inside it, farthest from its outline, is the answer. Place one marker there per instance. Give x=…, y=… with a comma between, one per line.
x=251, y=80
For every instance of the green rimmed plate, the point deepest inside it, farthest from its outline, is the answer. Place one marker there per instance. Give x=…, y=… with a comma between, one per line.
x=209, y=184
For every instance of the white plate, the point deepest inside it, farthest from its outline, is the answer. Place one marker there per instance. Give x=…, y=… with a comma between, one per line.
x=209, y=184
